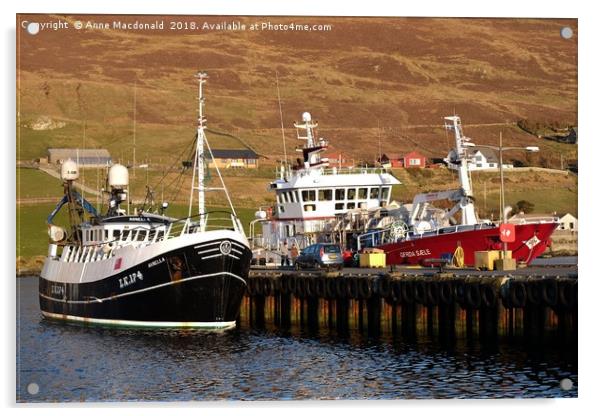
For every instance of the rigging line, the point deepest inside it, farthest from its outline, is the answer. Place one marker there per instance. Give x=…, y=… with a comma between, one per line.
x=176, y=160
x=281, y=120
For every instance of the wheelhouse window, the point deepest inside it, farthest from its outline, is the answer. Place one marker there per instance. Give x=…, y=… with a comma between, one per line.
x=351, y=193
x=325, y=195
x=309, y=207
x=339, y=194
x=308, y=195
x=294, y=196
x=339, y=206
x=384, y=194
x=351, y=205
x=373, y=193
x=286, y=197
x=362, y=193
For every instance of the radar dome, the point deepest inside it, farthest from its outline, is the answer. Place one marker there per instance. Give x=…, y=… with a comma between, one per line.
x=69, y=170
x=118, y=176
x=306, y=116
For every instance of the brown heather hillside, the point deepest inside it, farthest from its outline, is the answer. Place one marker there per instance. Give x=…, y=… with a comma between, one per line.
x=402, y=75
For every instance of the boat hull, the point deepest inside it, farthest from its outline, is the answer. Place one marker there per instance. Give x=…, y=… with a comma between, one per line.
x=531, y=241
x=195, y=285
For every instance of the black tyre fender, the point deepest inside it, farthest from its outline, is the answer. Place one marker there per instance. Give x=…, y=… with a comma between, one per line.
x=383, y=286
x=300, y=287
x=446, y=292
x=473, y=295
x=268, y=286
x=290, y=284
x=432, y=292
x=331, y=288
x=341, y=287
x=517, y=292
x=395, y=288
x=549, y=291
x=352, y=288
x=460, y=292
x=310, y=287
x=407, y=291
x=567, y=293
x=321, y=287
x=534, y=291
x=489, y=295
x=420, y=295
x=364, y=288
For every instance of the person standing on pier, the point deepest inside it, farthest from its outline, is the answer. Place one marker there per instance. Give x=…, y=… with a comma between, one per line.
x=284, y=259
x=294, y=252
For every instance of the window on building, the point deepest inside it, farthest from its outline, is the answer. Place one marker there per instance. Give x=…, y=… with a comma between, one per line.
x=491, y=165
x=325, y=195
x=479, y=165
x=350, y=193
x=362, y=193
x=478, y=158
x=339, y=206
x=350, y=205
x=414, y=162
x=309, y=207
x=308, y=195
x=373, y=193
x=339, y=194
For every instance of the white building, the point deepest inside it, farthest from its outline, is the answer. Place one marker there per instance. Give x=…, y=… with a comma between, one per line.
x=568, y=222
x=481, y=159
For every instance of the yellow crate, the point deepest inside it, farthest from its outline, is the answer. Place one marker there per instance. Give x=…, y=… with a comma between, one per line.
x=373, y=260
x=485, y=259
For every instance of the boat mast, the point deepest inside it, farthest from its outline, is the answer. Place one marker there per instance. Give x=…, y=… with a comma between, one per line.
x=198, y=172
x=461, y=158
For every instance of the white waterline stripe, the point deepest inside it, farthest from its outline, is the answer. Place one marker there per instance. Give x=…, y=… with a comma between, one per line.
x=208, y=250
x=142, y=324
x=146, y=289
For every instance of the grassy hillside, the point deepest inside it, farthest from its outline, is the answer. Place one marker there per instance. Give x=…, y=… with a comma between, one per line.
x=364, y=79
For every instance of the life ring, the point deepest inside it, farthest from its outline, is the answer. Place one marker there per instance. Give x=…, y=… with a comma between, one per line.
x=446, y=292
x=518, y=294
x=549, y=292
x=488, y=296
x=432, y=292
x=473, y=295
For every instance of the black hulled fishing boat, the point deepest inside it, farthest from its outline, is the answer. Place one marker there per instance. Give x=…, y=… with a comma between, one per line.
x=146, y=269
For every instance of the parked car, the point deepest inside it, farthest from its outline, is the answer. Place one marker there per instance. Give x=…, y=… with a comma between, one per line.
x=319, y=255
